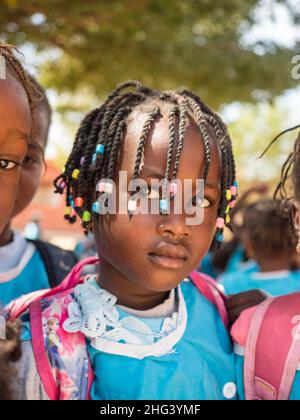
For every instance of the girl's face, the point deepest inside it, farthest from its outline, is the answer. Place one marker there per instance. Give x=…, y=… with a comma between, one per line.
x=14, y=134
x=154, y=253
x=33, y=165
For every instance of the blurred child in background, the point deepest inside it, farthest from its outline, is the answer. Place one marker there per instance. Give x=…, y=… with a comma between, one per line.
x=232, y=257
x=269, y=240
x=17, y=102
x=25, y=265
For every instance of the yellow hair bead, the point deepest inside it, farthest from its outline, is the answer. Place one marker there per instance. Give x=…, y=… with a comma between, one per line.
x=75, y=173
x=68, y=211
x=227, y=209
x=227, y=219
x=228, y=195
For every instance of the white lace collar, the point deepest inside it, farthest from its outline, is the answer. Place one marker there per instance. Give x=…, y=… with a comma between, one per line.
x=94, y=314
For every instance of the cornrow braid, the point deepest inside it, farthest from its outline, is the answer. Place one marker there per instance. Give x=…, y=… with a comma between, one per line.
x=172, y=138
x=182, y=127
x=99, y=141
x=141, y=146
x=290, y=170
x=200, y=121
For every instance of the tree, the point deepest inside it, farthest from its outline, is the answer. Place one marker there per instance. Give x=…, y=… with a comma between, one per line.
x=95, y=44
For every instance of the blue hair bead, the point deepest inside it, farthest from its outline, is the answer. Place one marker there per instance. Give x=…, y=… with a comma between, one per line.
x=220, y=237
x=96, y=207
x=94, y=158
x=100, y=149
x=235, y=184
x=164, y=205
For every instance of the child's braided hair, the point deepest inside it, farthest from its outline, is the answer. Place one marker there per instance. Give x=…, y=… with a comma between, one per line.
x=7, y=52
x=104, y=127
x=290, y=171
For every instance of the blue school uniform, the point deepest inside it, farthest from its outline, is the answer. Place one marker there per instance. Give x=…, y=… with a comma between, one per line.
x=273, y=283
x=236, y=262
x=193, y=359
x=21, y=270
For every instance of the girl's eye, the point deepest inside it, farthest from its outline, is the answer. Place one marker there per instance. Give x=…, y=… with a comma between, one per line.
x=29, y=161
x=149, y=193
x=7, y=164
x=202, y=202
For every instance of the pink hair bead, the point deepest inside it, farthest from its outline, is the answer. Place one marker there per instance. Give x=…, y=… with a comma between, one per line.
x=232, y=204
x=82, y=161
x=101, y=187
x=173, y=188
x=220, y=223
x=233, y=190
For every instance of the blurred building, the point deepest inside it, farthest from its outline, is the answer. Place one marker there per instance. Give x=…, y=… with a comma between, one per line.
x=48, y=208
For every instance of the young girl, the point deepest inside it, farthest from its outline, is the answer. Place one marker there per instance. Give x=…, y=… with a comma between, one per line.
x=26, y=266
x=271, y=243
x=146, y=329
x=267, y=336
x=17, y=98
x=15, y=94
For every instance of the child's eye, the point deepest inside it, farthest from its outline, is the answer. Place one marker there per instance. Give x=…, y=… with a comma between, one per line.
x=201, y=202
x=29, y=161
x=7, y=164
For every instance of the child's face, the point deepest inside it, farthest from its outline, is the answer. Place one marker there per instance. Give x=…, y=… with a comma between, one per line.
x=33, y=164
x=128, y=248
x=14, y=134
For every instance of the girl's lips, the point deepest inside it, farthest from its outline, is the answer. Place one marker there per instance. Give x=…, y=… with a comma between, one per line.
x=167, y=262
x=168, y=256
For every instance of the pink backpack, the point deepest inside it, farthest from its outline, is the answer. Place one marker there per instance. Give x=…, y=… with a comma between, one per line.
x=62, y=358
x=270, y=335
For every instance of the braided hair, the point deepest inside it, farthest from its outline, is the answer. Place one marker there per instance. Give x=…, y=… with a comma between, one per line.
x=8, y=53
x=98, y=144
x=290, y=171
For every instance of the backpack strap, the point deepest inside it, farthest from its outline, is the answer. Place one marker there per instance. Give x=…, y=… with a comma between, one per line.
x=209, y=288
x=40, y=354
x=58, y=262
x=57, y=367
x=272, y=351
x=20, y=305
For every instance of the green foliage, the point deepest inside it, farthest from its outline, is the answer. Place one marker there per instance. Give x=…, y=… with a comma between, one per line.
x=252, y=132
x=96, y=44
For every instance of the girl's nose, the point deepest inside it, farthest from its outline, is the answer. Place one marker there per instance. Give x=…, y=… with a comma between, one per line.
x=173, y=226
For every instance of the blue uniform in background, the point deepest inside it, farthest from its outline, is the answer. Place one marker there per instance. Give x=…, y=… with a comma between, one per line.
x=22, y=270
x=274, y=283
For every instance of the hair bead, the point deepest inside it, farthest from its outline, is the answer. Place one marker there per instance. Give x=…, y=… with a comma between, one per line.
x=164, y=205
x=79, y=202
x=96, y=208
x=86, y=217
x=220, y=237
x=220, y=223
x=173, y=188
x=100, y=149
x=228, y=195
x=132, y=204
x=75, y=173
